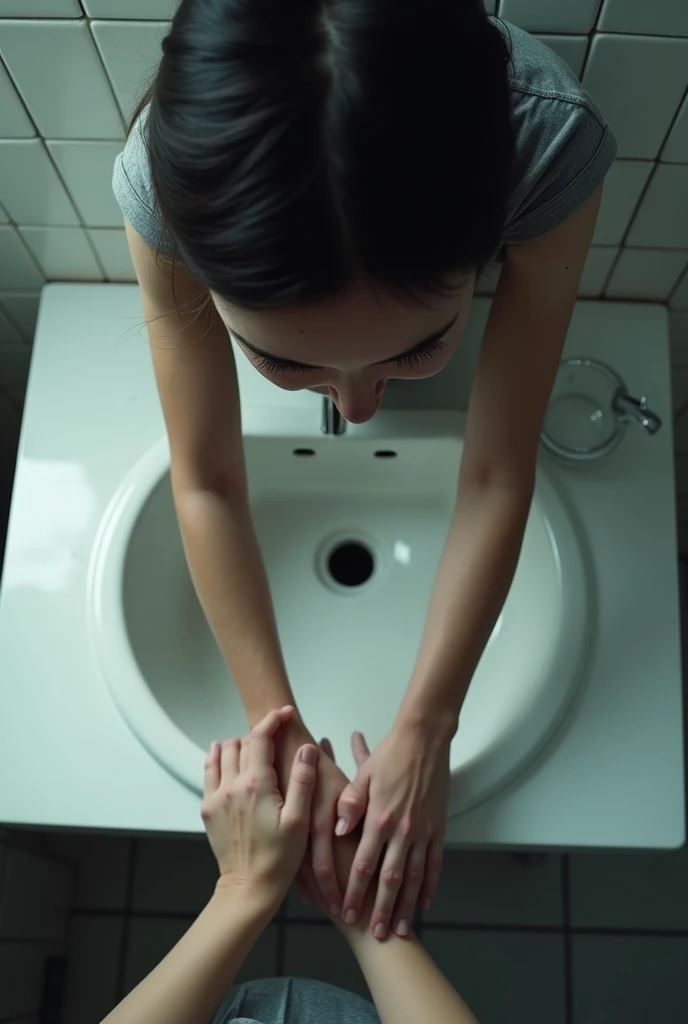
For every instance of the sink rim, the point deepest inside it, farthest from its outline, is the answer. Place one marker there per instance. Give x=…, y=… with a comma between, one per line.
x=180, y=755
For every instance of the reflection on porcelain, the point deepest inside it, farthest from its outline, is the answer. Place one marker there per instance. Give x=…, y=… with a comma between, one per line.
x=46, y=549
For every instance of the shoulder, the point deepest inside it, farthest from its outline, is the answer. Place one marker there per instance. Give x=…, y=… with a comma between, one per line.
x=564, y=146
x=132, y=184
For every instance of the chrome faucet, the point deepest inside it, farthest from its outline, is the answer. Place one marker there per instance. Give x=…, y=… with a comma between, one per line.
x=332, y=420
x=635, y=410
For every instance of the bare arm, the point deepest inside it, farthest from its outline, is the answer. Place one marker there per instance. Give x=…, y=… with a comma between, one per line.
x=196, y=378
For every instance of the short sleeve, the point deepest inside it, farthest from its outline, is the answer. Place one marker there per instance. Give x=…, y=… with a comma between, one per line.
x=565, y=149
x=133, y=188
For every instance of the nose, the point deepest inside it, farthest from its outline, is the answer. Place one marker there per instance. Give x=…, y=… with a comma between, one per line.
x=358, y=404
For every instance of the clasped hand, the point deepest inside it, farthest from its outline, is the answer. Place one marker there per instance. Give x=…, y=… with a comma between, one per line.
x=261, y=838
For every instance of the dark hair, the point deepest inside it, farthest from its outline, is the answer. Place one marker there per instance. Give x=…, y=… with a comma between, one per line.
x=298, y=145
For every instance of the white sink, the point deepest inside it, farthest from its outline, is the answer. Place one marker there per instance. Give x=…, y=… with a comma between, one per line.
x=384, y=505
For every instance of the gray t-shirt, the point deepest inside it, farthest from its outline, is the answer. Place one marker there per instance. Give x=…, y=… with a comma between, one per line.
x=294, y=1001
x=564, y=149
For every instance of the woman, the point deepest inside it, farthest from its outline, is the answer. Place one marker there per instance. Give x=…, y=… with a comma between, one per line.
x=259, y=839
x=323, y=181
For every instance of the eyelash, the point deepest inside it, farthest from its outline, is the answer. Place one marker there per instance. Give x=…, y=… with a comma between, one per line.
x=405, y=362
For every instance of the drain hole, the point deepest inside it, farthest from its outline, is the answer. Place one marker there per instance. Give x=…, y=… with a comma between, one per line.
x=351, y=564
x=385, y=453
x=303, y=451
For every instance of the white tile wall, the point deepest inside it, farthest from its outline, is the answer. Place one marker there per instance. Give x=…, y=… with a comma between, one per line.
x=570, y=16
x=676, y=147
x=646, y=274
x=663, y=18
x=662, y=218
x=572, y=49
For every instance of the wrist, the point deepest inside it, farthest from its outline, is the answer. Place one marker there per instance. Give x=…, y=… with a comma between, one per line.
x=430, y=726
x=254, y=903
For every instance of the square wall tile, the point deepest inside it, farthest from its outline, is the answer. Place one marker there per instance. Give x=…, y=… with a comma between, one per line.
x=629, y=979
x=21, y=977
x=598, y=263
x=95, y=947
x=130, y=9
x=10, y=335
x=86, y=169
x=35, y=898
x=666, y=18
x=40, y=53
x=571, y=49
x=18, y=268
x=102, y=865
x=662, y=218
x=131, y=52
x=632, y=890
x=321, y=952
x=551, y=15
x=623, y=186
x=30, y=188
x=14, y=121
x=40, y=9
x=503, y=976
x=638, y=83
x=22, y=310
x=63, y=254
x=645, y=274
x=679, y=296
x=151, y=939
x=676, y=147
x=497, y=888
x=173, y=875
x=113, y=252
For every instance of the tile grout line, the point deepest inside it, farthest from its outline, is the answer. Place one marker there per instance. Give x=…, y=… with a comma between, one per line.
x=126, y=921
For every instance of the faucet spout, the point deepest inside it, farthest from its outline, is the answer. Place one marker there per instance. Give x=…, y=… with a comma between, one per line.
x=635, y=410
x=332, y=420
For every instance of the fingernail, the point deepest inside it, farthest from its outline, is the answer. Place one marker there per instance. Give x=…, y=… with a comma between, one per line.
x=341, y=827
x=334, y=910
x=350, y=917
x=402, y=928
x=379, y=931
x=308, y=755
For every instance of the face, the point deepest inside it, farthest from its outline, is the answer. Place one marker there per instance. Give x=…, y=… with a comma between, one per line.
x=349, y=347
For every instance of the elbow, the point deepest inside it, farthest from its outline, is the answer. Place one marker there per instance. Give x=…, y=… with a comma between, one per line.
x=513, y=484
x=190, y=482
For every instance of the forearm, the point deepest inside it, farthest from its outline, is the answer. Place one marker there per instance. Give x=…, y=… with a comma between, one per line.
x=405, y=983
x=228, y=573
x=188, y=986
x=472, y=583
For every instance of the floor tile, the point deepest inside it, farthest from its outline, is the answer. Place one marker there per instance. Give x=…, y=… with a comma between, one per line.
x=95, y=945
x=630, y=890
x=505, y=977
x=151, y=939
x=320, y=952
x=102, y=863
x=629, y=979
x=173, y=875
x=497, y=888
x=35, y=898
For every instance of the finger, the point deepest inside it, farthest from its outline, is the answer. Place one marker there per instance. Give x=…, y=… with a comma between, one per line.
x=413, y=879
x=362, y=870
x=300, y=789
x=327, y=748
x=230, y=759
x=351, y=806
x=212, y=775
x=260, y=747
x=389, y=885
x=322, y=861
x=359, y=748
x=433, y=869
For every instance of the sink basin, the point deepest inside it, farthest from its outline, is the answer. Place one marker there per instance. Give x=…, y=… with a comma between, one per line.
x=351, y=530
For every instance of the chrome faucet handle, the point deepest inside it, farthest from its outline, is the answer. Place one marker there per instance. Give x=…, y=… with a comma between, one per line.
x=634, y=410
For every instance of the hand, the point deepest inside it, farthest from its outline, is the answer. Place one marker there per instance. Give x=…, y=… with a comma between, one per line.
x=402, y=788
x=258, y=838
x=319, y=884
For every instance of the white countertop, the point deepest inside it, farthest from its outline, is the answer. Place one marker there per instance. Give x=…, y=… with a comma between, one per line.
x=613, y=776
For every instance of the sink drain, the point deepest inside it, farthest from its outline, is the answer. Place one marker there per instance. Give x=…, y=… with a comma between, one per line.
x=349, y=561
x=351, y=564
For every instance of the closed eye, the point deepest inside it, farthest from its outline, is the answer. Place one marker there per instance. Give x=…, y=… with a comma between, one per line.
x=424, y=355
